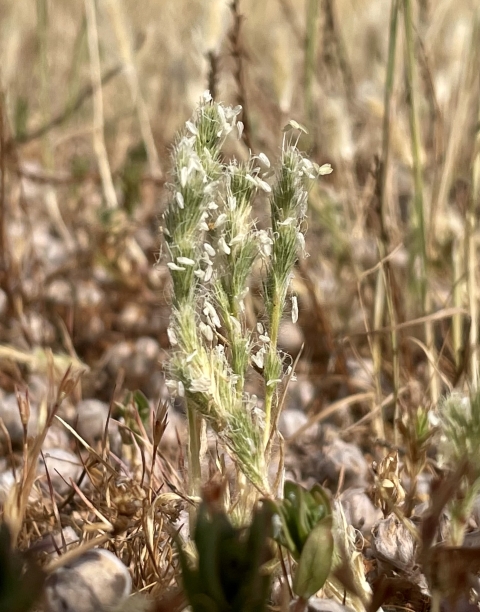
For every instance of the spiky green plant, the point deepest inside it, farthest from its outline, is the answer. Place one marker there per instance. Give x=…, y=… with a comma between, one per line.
x=304, y=526
x=228, y=574
x=213, y=244
x=459, y=440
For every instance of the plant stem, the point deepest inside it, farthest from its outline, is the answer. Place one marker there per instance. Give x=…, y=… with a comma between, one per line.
x=310, y=56
x=421, y=229
x=194, y=432
x=270, y=390
x=472, y=247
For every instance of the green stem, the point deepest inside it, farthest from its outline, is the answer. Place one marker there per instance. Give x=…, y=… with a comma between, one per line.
x=275, y=319
x=195, y=479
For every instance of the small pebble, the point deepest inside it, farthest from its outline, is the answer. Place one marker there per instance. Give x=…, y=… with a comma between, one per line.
x=92, y=415
x=62, y=466
x=359, y=510
x=290, y=422
x=10, y=415
x=95, y=582
x=339, y=456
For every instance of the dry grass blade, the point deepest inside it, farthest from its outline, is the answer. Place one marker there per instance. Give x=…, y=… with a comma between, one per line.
x=98, y=120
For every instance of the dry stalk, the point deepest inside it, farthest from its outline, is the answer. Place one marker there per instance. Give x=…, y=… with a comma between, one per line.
x=117, y=16
x=471, y=241
x=98, y=120
x=239, y=55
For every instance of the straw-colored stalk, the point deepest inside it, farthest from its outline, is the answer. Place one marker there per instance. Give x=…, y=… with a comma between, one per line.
x=117, y=17
x=471, y=243
x=311, y=44
x=98, y=120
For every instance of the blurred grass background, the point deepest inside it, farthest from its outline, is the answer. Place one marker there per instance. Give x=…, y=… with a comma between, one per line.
x=393, y=231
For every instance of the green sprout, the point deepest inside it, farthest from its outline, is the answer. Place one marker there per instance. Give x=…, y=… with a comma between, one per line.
x=229, y=574
x=304, y=525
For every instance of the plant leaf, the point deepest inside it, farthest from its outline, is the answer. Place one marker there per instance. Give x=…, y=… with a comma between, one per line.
x=315, y=561
x=142, y=405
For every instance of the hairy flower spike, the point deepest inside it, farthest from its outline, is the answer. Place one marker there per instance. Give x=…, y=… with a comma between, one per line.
x=212, y=246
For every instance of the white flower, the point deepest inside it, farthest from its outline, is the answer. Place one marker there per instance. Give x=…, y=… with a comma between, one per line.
x=200, y=385
x=180, y=200
x=301, y=241
x=294, y=125
x=200, y=274
x=236, y=324
x=260, y=327
x=264, y=159
x=288, y=221
x=173, y=266
x=175, y=387
x=274, y=381
x=172, y=336
x=258, y=358
x=220, y=350
x=240, y=127
x=209, y=249
x=206, y=330
x=264, y=186
x=239, y=238
x=210, y=312
x=325, y=169
x=208, y=274
x=192, y=128
x=294, y=309
x=206, y=97
x=265, y=243
x=183, y=176
x=223, y=246
x=186, y=261
x=221, y=219
x=232, y=202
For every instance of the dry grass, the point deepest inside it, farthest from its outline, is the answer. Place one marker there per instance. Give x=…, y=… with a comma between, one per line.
x=391, y=285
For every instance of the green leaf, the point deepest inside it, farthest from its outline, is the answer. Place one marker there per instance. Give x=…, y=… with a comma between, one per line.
x=315, y=560
x=255, y=585
x=208, y=540
x=228, y=576
x=142, y=405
